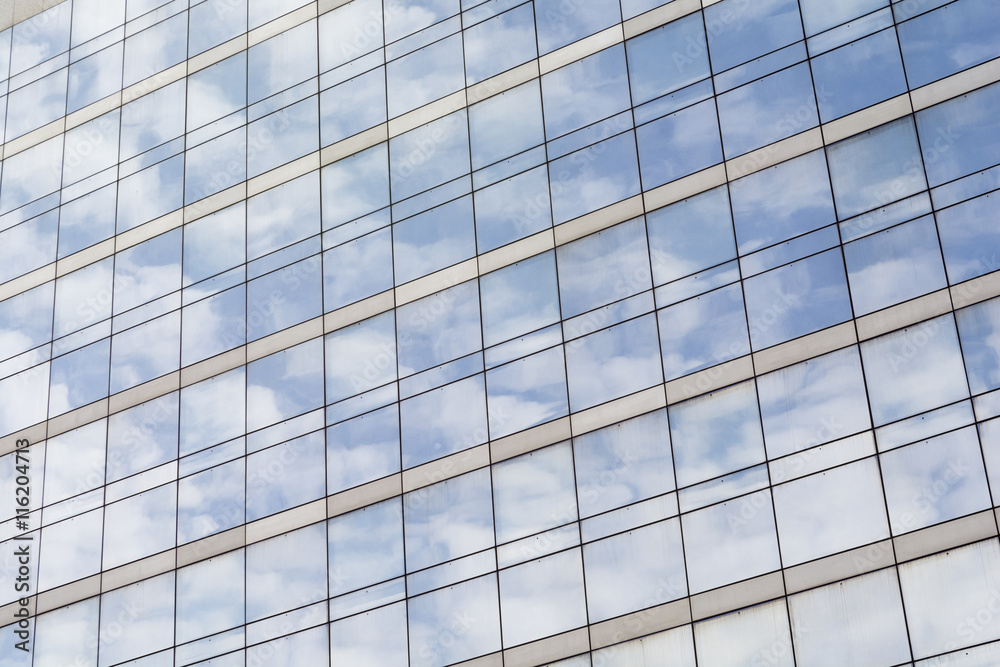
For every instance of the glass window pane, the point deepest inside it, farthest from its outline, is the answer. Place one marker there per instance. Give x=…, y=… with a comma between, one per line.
x=214, y=325
x=433, y=240
x=614, y=362
x=797, y=299
x=215, y=22
x=594, y=177
x=31, y=45
x=70, y=550
x=948, y=39
x=355, y=186
x=979, y=329
x=155, y=49
x=425, y=75
x=150, y=193
x=217, y=91
x=211, y=501
x=377, y=637
x=620, y=569
x=585, y=91
x=352, y=106
x=357, y=269
x=648, y=52
x=767, y=110
x=210, y=596
x=813, y=402
x=876, y=168
x=282, y=61
x=285, y=384
x=80, y=377
x=741, y=638
x=506, y=124
x=362, y=449
x=283, y=215
x=286, y=572
x=140, y=526
x=147, y=271
x=858, y=75
x=215, y=165
x=214, y=243
x=360, y=357
x=29, y=175
x=862, y=617
x=512, y=209
x=284, y=297
x=87, y=220
x=23, y=399
x=960, y=136
x=283, y=136
x=514, y=29
x=830, y=512
x=145, y=352
x=730, y=541
x=77, y=462
x=439, y=328
x=27, y=320
x=781, y=202
x=149, y=608
x=462, y=503
x=679, y=144
x=675, y=645
x=95, y=17
x=933, y=481
x=429, y=155
x=542, y=597
x=942, y=592
x=560, y=24
x=604, y=267
x=519, y=298
x=356, y=538
x=286, y=475
x=716, y=434
x=91, y=147
x=350, y=31
x=703, y=331
x=739, y=31
x=401, y=19
x=68, y=634
x=142, y=437
x=534, y=492
x=527, y=392
x=691, y=235
x=913, y=370
x=965, y=233
x=895, y=265
x=213, y=411
x=429, y=613
x=95, y=77
x=443, y=421
x=637, y=455
x=36, y=104
x=819, y=15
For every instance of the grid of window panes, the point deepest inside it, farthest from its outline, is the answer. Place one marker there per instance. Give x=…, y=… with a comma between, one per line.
x=844, y=450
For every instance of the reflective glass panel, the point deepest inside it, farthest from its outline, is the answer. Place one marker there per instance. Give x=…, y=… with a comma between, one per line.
x=913, y=370
x=830, y=512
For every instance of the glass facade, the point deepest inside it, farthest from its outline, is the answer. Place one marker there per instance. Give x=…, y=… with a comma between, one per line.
x=560, y=332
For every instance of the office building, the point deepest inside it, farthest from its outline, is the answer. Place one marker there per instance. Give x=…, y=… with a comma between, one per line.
x=563, y=332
